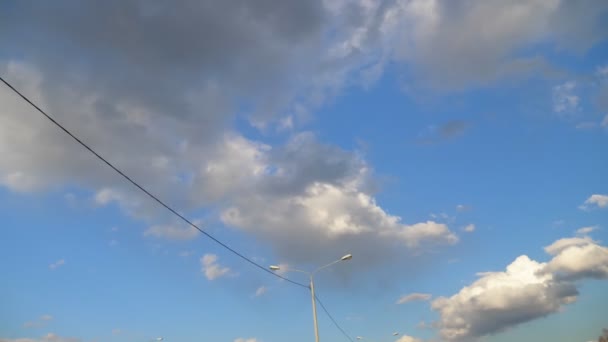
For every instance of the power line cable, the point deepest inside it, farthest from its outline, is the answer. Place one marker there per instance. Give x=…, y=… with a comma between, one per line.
x=166, y=206
x=333, y=320
x=159, y=201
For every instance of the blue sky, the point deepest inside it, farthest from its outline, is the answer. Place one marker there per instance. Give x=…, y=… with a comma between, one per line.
x=456, y=148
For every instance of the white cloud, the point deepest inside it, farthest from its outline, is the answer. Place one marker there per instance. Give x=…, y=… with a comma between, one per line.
x=211, y=268
x=443, y=40
x=261, y=291
x=181, y=145
x=586, y=230
x=578, y=258
x=561, y=244
x=57, y=264
x=173, y=231
x=565, y=102
x=413, y=297
x=525, y=291
x=317, y=195
x=241, y=339
x=406, y=338
x=50, y=337
x=469, y=228
x=595, y=200
x=46, y=317
x=501, y=299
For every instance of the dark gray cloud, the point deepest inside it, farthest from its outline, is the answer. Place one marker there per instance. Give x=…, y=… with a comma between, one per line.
x=158, y=54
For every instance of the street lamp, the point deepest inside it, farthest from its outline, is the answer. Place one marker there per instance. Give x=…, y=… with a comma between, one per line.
x=312, y=286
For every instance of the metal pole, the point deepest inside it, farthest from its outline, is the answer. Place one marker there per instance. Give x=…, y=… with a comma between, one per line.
x=314, y=308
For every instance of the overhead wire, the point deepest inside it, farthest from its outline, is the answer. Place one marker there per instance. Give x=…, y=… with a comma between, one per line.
x=166, y=206
x=332, y=319
x=144, y=190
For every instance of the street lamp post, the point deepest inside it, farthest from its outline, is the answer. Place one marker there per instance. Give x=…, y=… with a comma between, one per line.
x=312, y=287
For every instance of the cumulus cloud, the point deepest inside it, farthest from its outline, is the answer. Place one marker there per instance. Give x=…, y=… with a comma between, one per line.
x=595, y=201
x=211, y=268
x=311, y=194
x=57, y=264
x=578, y=258
x=414, y=297
x=176, y=137
x=242, y=339
x=525, y=291
x=245, y=176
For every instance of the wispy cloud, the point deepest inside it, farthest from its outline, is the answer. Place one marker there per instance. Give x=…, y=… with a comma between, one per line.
x=413, y=297
x=57, y=264
x=565, y=101
x=586, y=230
x=261, y=291
x=586, y=125
x=50, y=337
x=211, y=268
x=463, y=208
x=469, y=228
x=41, y=321
x=595, y=201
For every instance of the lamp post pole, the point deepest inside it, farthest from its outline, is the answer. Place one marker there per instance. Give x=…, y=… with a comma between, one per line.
x=314, y=307
x=312, y=287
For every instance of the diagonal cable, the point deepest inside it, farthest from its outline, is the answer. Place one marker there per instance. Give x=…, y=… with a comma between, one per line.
x=155, y=198
x=333, y=320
